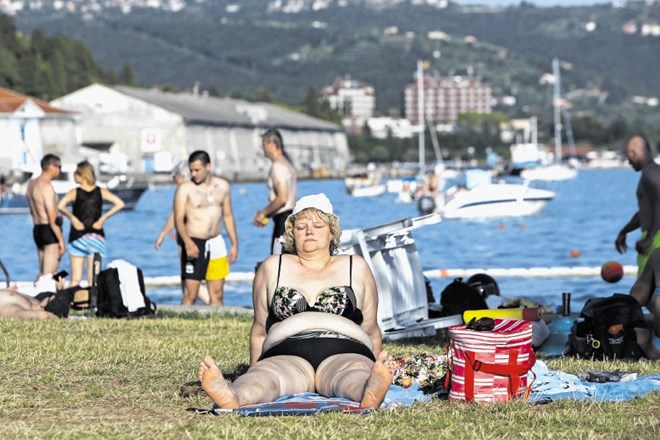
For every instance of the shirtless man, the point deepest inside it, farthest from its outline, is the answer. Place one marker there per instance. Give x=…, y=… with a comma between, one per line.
x=47, y=231
x=200, y=205
x=281, y=189
x=18, y=305
x=647, y=218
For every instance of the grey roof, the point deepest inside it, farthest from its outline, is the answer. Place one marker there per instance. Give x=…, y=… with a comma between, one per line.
x=201, y=109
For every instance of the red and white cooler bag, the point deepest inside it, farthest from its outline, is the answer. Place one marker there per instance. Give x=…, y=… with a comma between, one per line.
x=492, y=365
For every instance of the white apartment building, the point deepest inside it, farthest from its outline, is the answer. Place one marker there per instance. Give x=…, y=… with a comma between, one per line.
x=351, y=98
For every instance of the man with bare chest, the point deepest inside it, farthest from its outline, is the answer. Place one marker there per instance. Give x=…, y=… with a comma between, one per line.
x=201, y=205
x=47, y=230
x=647, y=218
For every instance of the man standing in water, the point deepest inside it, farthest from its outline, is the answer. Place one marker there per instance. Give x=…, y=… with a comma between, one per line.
x=647, y=218
x=200, y=205
x=47, y=230
x=281, y=188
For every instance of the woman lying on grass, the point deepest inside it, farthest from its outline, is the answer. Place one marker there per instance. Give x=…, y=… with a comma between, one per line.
x=315, y=327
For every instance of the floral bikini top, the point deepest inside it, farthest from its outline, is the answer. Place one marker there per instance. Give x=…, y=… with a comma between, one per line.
x=338, y=300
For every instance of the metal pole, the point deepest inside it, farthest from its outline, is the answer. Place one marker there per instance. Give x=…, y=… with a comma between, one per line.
x=420, y=112
x=557, y=108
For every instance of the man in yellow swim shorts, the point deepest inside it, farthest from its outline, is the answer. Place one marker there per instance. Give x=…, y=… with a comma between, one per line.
x=201, y=206
x=647, y=218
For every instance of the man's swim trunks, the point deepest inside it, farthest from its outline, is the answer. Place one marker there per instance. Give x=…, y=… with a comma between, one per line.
x=211, y=263
x=279, y=222
x=87, y=245
x=642, y=258
x=43, y=235
x=217, y=253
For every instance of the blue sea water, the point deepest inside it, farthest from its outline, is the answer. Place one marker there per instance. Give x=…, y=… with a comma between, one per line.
x=586, y=216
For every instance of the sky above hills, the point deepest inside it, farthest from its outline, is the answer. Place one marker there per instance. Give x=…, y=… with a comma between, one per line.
x=536, y=2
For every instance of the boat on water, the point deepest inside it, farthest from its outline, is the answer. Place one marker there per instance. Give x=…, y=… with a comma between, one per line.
x=481, y=198
x=549, y=173
x=539, y=168
x=495, y=200
x=367, y=190
x=365, y=183
x=127, y=188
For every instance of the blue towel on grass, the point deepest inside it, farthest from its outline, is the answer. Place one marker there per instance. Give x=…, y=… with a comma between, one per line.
x=552, y=385
x=313, y=404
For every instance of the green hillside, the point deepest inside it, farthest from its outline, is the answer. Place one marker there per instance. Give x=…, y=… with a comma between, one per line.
x=254, y=51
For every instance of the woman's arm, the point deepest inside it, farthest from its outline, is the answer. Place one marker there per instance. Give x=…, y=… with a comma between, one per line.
x=363, y=280
x=70, y=197
x=260, y=306
x=167, y=227
x=117, y=205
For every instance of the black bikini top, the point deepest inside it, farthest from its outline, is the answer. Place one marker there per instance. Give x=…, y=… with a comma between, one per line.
x=338, y=300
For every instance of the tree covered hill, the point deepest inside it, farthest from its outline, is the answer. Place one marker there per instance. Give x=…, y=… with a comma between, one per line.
x=253, y=49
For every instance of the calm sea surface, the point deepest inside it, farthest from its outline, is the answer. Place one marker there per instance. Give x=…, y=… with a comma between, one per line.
x=586, y=215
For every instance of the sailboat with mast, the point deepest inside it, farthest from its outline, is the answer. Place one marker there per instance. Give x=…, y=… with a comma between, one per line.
x=557, y=170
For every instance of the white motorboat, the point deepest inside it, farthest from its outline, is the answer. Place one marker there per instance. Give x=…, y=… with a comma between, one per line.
x=367, y=190
x=495, y=200
x=549, y=173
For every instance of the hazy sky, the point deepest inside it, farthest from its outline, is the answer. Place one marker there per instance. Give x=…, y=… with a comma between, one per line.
x=536, y=2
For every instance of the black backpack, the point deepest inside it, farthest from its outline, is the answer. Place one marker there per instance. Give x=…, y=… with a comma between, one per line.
x=110, y=303
x=458, y=297
x=607, y=329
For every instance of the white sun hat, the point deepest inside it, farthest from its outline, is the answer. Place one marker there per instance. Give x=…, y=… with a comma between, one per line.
x=318, y=201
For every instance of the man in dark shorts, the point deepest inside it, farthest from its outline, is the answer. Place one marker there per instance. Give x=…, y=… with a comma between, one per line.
x=201, y=206
x=47, y=231
x=281, y=188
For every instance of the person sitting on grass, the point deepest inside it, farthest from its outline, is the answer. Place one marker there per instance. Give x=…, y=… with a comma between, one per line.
x=315, y=327
x=646, y=291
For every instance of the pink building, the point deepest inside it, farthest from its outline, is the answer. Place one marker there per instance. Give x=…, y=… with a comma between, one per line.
x=446, y=98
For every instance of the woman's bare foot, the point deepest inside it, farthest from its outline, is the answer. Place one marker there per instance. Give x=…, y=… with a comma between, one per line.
x=378, y=383
x=215, y=384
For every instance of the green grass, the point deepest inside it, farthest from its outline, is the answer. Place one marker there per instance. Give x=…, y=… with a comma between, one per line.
x=120, y=379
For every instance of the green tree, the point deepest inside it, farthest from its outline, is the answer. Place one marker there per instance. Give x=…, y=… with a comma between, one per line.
x=126, y=76
x=311, y=102
x=214, y=90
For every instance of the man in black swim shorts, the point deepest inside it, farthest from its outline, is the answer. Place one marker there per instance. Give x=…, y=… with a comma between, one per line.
x=47, y=231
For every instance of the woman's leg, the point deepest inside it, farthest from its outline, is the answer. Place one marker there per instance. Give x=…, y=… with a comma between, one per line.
x=77, y=264
x=90, y=269
x=264, y=382
x=355, y=377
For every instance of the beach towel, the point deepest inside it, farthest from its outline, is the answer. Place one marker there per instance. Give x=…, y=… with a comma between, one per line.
x=314, y=404
x=131, y=293
x=553, y=385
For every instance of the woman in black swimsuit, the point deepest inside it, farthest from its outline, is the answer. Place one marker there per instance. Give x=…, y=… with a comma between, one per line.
x=315, y=327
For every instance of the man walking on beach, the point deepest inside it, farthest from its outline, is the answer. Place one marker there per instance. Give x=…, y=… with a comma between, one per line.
x=647, y=218
x=47, y=230
x=281, y=188
x=200, y=205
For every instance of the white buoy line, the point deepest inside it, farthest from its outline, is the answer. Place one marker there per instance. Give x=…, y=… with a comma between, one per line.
x=515, y=272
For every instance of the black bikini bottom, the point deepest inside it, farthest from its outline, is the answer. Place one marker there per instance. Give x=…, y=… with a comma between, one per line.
x=316, y=350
